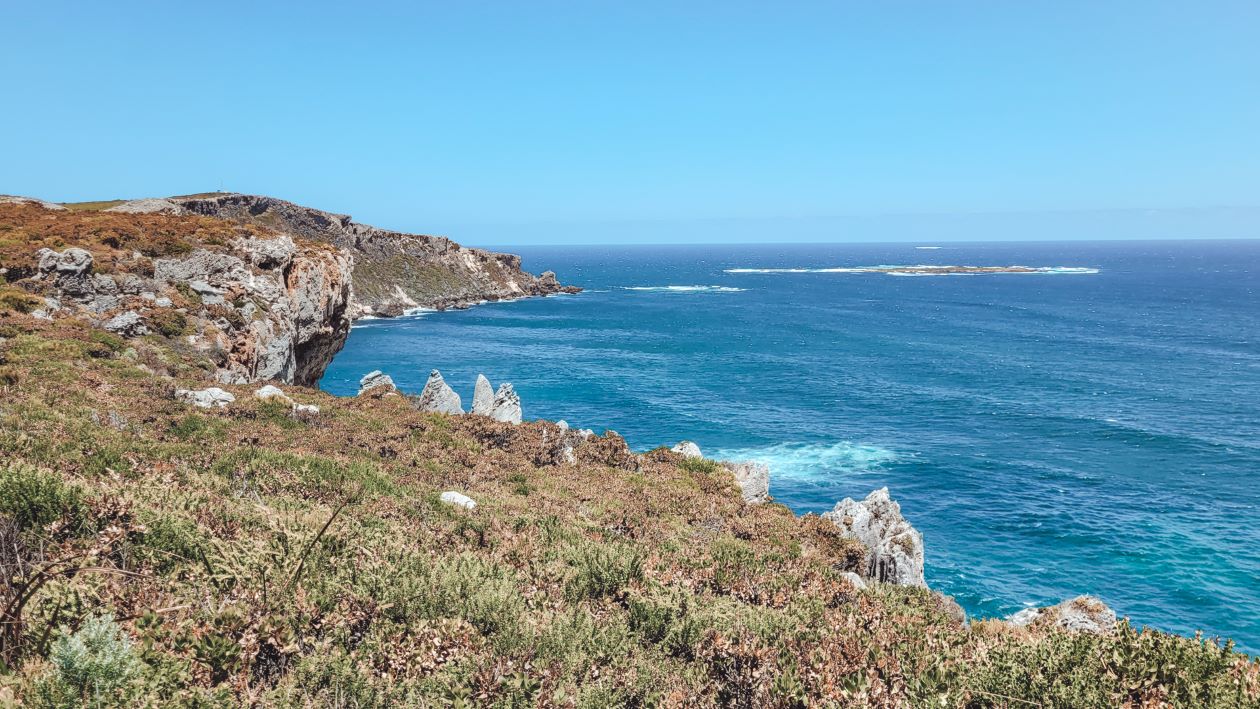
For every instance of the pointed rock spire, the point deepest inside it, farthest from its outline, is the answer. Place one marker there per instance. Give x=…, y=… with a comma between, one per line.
x=483, y=397
x=507, y=405
x=439, y=398
x=896, y=548
x=374, y=379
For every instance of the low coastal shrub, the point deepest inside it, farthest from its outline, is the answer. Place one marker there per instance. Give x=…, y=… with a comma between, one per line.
x=90, y=667
x=34, y=498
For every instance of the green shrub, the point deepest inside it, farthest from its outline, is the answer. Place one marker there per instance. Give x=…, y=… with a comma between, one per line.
x=13, y=300
x=603, y=569
x=700, y=465
x=90, y=666
x=169, y=323
x=35, y=499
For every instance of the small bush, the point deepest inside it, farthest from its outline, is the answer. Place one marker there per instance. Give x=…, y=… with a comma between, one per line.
x=168, y=322
x=90, y=666
x=13, y=300
x=700, y=465
x=35, y=499
x=603, y=570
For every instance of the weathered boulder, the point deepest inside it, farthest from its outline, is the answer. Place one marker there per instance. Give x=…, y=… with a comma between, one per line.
x=483, y=397
x=72, y=261
x=308, y=409
x=457, y=499
x=951, y=607
x=507, y=405
x=1083, y=614
x=127, y=324
x=269, y=391
x=894, y=548
x=687, y=449
x=857, y=581
x=438, y=397
x=205, y=398
x=376, y=379
x=753, y=479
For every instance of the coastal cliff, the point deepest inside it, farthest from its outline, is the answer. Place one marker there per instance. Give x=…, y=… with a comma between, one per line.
x=393, y=271
x=260, y=288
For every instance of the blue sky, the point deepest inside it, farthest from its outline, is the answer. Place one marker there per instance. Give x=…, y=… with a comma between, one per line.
x=547, y=122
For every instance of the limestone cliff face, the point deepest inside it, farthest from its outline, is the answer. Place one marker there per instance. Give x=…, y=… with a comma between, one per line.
x=393, y=271
x=251, y=304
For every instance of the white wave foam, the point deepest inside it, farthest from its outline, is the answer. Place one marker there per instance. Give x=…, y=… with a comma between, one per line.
x=930, y=270
x=687, y=289
x=813, y=461
x=927, y=248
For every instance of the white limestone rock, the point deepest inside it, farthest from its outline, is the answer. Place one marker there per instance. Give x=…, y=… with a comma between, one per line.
x=376, y=379
x=507, y=405
x=857, y=581
x=753, y=479
x=688, y=450
x=1083, y=614
x=894, y=548
x=483, y=397
x=438, y=397
x=128, y=324
x=451, y=497
x=212, y=397
x=307, y=409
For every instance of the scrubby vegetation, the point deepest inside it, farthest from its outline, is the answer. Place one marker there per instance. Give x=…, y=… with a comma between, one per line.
x=164, y=555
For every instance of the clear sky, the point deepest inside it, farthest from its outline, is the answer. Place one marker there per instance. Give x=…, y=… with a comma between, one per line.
x=547, y=122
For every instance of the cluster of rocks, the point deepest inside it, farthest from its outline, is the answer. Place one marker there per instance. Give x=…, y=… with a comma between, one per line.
x=266, y=309
x=438, y=397
x=752, y=477
x=214, y=397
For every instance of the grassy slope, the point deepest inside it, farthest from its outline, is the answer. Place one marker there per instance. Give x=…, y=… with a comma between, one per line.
x=251, y=556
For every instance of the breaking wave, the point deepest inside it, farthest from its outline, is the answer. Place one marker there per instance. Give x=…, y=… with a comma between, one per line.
x=812, y=461
x=687, y=289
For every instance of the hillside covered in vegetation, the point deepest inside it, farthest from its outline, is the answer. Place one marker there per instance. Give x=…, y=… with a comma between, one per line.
x=296, y=551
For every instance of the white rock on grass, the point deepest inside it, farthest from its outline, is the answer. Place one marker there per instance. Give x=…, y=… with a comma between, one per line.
x=753, y=479
x=451, y=497
x=127, y=324
x=483, y=397
x=375, y=380
x=205, y=398
x=270, y=391
x=858, y=582
x=895, y=549
x=1083, y=614
x=309, y=409
x=688, y=450
x=507, y=405
x=438, y=397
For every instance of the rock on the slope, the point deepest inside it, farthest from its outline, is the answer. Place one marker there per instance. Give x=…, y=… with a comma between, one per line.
x=15, y=199
x=1083, y=614
x=270, y=391
x=376, y=379
x=753, y=479
x=507, y=405
x=147, y=206
x=857, y=581
x=291, y=303
x=894, y=548
x=393, y=271
x=951, y=607
x=438, y=397
x=451, y=497
x=127, y=324
x=205, y=398
x=308, y=409
x=483, y=397
x=687, y=449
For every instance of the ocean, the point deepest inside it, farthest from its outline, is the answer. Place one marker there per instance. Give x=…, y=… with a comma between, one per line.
x=1090, y=428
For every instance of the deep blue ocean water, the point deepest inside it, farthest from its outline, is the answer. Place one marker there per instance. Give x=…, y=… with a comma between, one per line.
x=1050, y=434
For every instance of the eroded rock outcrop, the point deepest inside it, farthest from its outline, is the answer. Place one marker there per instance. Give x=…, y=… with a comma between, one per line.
x=209, y=398
x=1083, y=614
x=483, y=397
x=438, y=397
x=753, y=479
x=377, y=382
x=394, y=271
x=894, y=548
x=687, y=449
x=507, y=405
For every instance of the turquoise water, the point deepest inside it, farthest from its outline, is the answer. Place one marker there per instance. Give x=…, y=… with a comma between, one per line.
x=1051, y=434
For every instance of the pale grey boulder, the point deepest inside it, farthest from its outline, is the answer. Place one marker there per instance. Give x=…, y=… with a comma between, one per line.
x=212, y=397
x=128, y=324
x=753, y=479
x=72, y=261
x=483, y=397
x=1083, y=614
x=894, y=548
x=687, y=449
x=857, y=581
x=438, y=397
x=308, y=409
x=457, y=499
x=376, y=379
x=507, y=405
